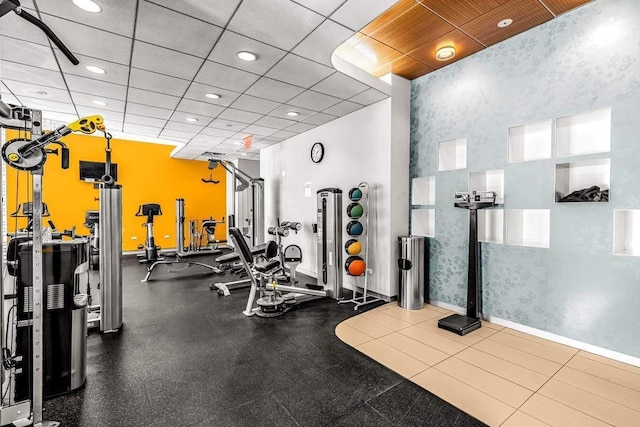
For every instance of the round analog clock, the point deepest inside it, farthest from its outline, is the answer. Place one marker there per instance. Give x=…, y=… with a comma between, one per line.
x=317, y=152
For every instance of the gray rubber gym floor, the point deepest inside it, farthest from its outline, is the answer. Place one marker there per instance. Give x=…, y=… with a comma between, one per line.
x=188, y=357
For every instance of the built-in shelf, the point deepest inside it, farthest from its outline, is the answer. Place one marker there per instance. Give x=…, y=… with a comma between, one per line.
x=584, y=133
x=626, y=232
x=530, y=142
x=576, y=176
x=492, y=180
x=528, y=227
x=452, y=154
x=423, y=190
x=423, y=222
x=491, y=225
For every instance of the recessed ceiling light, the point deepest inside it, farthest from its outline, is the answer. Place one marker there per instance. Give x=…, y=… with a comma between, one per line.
x=238, y=142
x=191, y=119
x=445, y=53
x=505, y=22
x=101, y=103
x=292, y=113
x=41, y=93
x=212, y=95
x=247, y=56
x=88, y=5
x=96, y=70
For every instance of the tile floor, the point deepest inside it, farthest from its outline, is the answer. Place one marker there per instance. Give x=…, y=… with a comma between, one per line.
x=498, y=375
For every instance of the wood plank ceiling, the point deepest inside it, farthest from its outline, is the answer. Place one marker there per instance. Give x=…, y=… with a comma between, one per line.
x=405, y=38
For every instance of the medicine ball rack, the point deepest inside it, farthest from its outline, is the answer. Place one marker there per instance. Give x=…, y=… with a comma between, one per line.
x=358, y=242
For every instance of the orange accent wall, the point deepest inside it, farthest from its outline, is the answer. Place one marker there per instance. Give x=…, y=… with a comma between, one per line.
x=147, y=175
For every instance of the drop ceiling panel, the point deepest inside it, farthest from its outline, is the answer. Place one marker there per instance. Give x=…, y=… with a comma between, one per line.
x=215, y=12
x=164, y=61
x=142, y=130
x=283, y=109
x=464, y=45
x=155, y=99
x=390, y=15
x=186, y=34
x=239, y=116
x=229, y=125
x=460, y=12
x=369, y=53
x=274, y=122
x=183, y=127
x=142, y=79
x=355, y=14
x=90, y=41
x=406, y=66
x=115, y=73
x=201, y=108
x=526, y=14
x=148, y=111
x=369, y=96
x=255, y=105
x=343, y=108
x=299, y=71
x=206, y=141
x=197, y=92
x=561, y=6
x=272, y=89
x=112, y=119
x=300, y=127
x=340, y=85
x=15, y=27
x=181, y=116
x=314, y=101
x=225, y=52
x=323, y=7
x=219, y=75
x=43, y=104
x=320, y=119
x=323, y=41
x=87, y=101
x=21, y=89
x=259, y=130
x=25, y=53
x=280, y=23
x=176, y=135
x=46, y=78
x=145, y=121
x=96, y=87
x=219, y=133
x=412, y=30
x=118, y=19
x=284, y=134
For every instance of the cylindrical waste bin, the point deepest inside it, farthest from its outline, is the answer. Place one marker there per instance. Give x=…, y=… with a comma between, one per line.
x=412, y=266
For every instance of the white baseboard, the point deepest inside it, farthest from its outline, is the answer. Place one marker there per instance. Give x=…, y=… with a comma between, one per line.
x=600, y=351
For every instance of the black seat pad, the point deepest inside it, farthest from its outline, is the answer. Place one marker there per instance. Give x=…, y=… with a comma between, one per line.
x=267, y=265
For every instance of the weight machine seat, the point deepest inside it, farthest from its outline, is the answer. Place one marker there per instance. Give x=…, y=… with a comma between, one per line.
x=267, y=266
x=147, y=209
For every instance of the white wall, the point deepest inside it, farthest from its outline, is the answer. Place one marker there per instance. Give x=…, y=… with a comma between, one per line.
x=358, y=147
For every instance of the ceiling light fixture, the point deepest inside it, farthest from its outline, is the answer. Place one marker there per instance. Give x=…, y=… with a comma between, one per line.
x=191, y=119
x=96, y=70
x=88, y=5
x=212, y=95
x=41, y=93
x=100, y=103
x=247, y=56
x=445, y=53
x=505, y=23
x=243, y=154
x=292, y=113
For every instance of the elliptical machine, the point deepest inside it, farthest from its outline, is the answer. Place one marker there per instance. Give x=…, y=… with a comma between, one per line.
x=149, y=210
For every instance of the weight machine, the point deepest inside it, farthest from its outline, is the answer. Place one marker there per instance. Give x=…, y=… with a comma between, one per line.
x=30, y=154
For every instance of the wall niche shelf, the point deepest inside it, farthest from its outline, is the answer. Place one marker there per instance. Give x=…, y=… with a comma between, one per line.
x=626, y=232
x=530, y=142
x=575, y=176
x=492, y=180
x=423, y=222
x=584, y=133
x=491, y=225
x=423, y=190
x=452, y=154
x=528, y=227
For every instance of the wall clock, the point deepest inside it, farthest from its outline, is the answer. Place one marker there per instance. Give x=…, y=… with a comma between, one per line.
x=317, y=152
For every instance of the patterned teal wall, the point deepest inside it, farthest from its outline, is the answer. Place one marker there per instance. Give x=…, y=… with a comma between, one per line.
x=583, y=60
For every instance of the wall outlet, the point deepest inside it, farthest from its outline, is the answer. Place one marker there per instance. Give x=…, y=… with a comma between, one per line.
x=369, y=271
x=134, y=238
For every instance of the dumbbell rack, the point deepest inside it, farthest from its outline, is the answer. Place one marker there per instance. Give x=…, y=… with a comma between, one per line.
x=362, y=238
